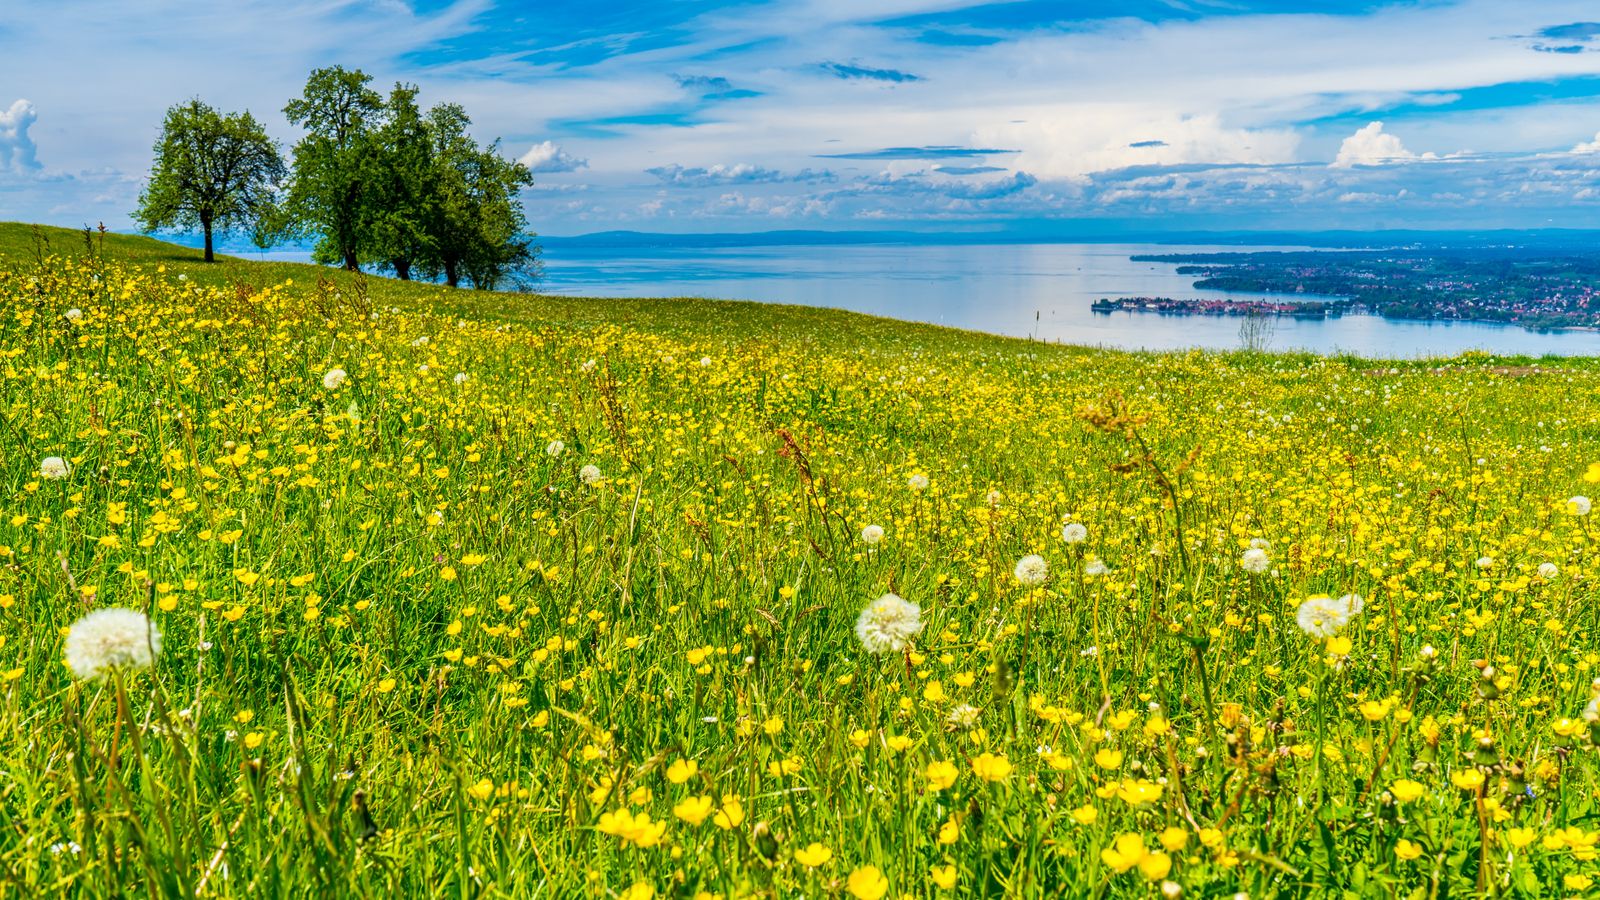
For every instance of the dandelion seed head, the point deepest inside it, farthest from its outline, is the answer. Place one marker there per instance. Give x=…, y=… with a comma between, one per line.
x=888, y=624
x=111, y=638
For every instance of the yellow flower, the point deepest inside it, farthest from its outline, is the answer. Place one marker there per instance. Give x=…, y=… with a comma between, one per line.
x=641, y=890
x=631, y=829
x=1108, y=759
x=693, y=809
x=253, y=740
x=941, y=774
x=944, y=877
x=1407, y=791
x=730, y=815
x=1085, y=815
x=385, y=685
x=483, y=790
x=1519, y=838
x=1406, y=850
x=860, y=737
x=867, y=883
x=1174, y=839
x=1577, y=882
x=1467, y=779
x=1125, y=852
x=949, y=832
x=682, y=770
x=813, y=855
x=1155, y=866
x=990, y=767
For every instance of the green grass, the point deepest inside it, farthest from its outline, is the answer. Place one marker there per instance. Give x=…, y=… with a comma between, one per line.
x=409, y=651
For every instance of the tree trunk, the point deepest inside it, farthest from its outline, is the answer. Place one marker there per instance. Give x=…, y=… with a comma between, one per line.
x=206, y=225
x=402, y=269
x=351, y=264
x=452, y=277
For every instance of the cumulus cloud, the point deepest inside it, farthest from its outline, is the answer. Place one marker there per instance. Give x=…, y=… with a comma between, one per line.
x=548, y=156
x=742, y=173
x=1372, y=146
x=1588, y=146
x=17, y=150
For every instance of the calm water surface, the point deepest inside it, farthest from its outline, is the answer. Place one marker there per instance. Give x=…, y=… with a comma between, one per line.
x=1028, y=290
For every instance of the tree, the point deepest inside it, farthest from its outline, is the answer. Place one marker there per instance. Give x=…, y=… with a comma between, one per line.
x=336, y=174
x=399, y=237
x=218, y=172
x=477, y=227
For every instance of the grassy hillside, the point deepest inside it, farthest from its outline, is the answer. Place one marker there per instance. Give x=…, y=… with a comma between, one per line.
x=479, y=595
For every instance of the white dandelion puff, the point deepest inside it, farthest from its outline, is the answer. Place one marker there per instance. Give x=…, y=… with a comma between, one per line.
x=888, y=624
x=54, y=468
x=1548, y=571
x=111, y=638
x=1322, y=616
x=917, y=482
x=555, y=448
x=963, y=716
x=461, y=378
x=1255, y=561
x=334, y=379
x=1579, y=505
x=1095, y=567
x=589, y=474
x=1485, y=562
x=872, y=534
x=1074, y=533
x=1032, y=570
x=72, y=315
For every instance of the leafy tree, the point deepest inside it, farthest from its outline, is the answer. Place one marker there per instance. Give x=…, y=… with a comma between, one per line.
x=477, y=226
x=399, y=237
x=218, y=172
x=336, y=188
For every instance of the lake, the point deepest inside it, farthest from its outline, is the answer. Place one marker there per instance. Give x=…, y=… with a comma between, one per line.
x=1042, y=291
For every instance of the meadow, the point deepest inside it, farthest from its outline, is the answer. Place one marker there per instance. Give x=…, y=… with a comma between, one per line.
x=466, y=595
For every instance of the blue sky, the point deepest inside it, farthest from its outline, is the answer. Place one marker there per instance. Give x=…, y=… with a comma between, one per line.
x=710, y=115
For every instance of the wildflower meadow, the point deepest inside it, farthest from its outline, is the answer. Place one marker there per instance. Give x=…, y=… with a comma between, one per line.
x=317, y=585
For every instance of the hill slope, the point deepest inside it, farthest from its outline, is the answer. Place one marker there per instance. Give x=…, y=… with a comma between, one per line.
x=480, y=595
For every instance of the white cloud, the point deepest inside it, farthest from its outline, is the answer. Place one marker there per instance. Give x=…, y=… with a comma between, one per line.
x=1372, y=146
x=547, y=156
x=1588, y=146
x=17, y=150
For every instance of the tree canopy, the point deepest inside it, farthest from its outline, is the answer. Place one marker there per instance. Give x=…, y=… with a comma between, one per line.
x=213, y=171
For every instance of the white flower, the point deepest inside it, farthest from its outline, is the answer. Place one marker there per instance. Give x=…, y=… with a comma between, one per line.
x=556, y=448
x=73, y=314
x=1322, y=616
x=1260, y=544
x=888, y=624
x=1353, y=604
x=334, y=379
x=183, y=276
x=461, y=378
x=918, y=482
x=1591, y=712
x=420, y=341
x=1255, y=561
x=1074, y=533
x=589, y=474
x=705, y=361
x=422, y=369
x=111, y=637
x=872, y=534
x=1094, y=567
x=54, y=467
x=1485, y=562
x=992, y=498
x=1579, y=505
x=963, y=716
x=1548, y=571
x=588, y=365
x=1032, y=570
